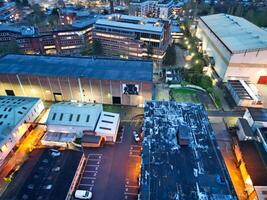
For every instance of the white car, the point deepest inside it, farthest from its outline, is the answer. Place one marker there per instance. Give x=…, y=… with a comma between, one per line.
x=136, y=136
x=83, y=194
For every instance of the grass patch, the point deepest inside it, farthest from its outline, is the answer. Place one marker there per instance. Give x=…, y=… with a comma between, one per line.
x=184, y=95
x=112, y=108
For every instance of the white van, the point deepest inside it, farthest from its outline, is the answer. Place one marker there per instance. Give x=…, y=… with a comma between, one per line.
x=83, y=194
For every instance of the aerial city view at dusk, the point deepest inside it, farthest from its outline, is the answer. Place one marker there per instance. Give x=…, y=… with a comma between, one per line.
x=133, y=99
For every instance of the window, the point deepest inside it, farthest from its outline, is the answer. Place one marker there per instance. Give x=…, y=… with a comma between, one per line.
x=71, y=115
x=109, y=115
x=54, y=116
x=105, y=121
x=78, y=117
x=61, y=117
x=88, y=118
x=104, y=128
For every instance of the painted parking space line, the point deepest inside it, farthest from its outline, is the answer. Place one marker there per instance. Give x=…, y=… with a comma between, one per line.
x=92, y=165
x=89, y=178
x=86, y=184
x=128, y=193
x=90, y=171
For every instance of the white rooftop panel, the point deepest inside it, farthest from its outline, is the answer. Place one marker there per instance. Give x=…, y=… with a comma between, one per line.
x=236, y=33
x=108, y=123
x=74, y=114
x=12, y=111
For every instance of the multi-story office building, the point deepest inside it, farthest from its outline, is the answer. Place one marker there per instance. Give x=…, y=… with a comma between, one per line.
x=86, y=79
x=133, y=37
x=65, y=40
x=152, y=8
x=238, y=47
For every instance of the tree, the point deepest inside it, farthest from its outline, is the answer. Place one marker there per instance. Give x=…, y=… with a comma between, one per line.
x=97, y=47
x=9, y=47
x=87, y=50
x=170, y=56
x=206, y=82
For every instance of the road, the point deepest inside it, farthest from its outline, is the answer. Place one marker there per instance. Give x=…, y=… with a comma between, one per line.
x=224, y=141
x=215, y=113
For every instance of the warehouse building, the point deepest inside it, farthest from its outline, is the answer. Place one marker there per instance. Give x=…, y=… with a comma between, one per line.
x=84, y=79
x=14, y=112
x=239, y=51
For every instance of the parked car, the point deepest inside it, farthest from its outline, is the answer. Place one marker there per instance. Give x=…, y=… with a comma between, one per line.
x=83, y=194
x=136, y=136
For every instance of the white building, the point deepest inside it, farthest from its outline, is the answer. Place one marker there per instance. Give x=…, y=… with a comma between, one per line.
x=71, y=117
x=244, y=94
x=14, y=112
x=108, y=126
x=238, y=47
x=153, y=8
x=256, y=117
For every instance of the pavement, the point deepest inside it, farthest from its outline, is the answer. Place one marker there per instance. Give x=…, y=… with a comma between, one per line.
x=162, y=92
x=112, y=172
x=225, y=142
x=215, y=113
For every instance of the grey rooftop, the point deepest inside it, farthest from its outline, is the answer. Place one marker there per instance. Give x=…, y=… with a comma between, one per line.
x=240, y=34
x=88, y=67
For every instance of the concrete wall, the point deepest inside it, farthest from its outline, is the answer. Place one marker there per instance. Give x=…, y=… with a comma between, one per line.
x=83, y=89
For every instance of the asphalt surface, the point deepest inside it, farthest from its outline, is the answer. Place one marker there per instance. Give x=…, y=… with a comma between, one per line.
x=106, y=169
x=226, y=113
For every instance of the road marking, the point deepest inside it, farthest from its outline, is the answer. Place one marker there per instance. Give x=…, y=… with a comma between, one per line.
x=94, y=159
x=128, y=193
x=85, y=184
x=87, y=177
x=93, y=165
x=95, y=154
x=133, y=186
x=90, y=171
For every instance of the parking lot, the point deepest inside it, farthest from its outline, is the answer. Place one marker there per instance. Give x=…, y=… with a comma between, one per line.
x=112, y=171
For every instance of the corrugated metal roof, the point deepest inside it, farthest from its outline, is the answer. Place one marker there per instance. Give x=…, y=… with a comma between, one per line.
x=236, y=33
x=94, y=68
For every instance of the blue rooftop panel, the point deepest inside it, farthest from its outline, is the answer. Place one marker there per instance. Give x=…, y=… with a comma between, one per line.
x=94, y=68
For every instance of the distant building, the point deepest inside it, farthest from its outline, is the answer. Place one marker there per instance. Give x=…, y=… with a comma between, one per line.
x=239, y=51
x=14, y=112
x=176, y=33
x=133, y=37
x=151, y=8
x=191, y=168
x=252, y=162
x=83, y=79
x=65, y=40
x=256, y=117
x=243, y=94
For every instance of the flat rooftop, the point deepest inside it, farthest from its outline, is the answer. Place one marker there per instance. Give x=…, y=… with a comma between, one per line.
x=240, y=34
x=246, y=127
x=44, y=182
x=258, y=114
x=12, y=111
x=171, y=171
x=88, y=67
x=135, y=23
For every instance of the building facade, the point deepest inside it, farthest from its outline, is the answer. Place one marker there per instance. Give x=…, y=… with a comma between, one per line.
x=14, y=112
x=151, y=8
x=67, y=40
x=51, y=78
x=133, y=37
x=239, y=51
